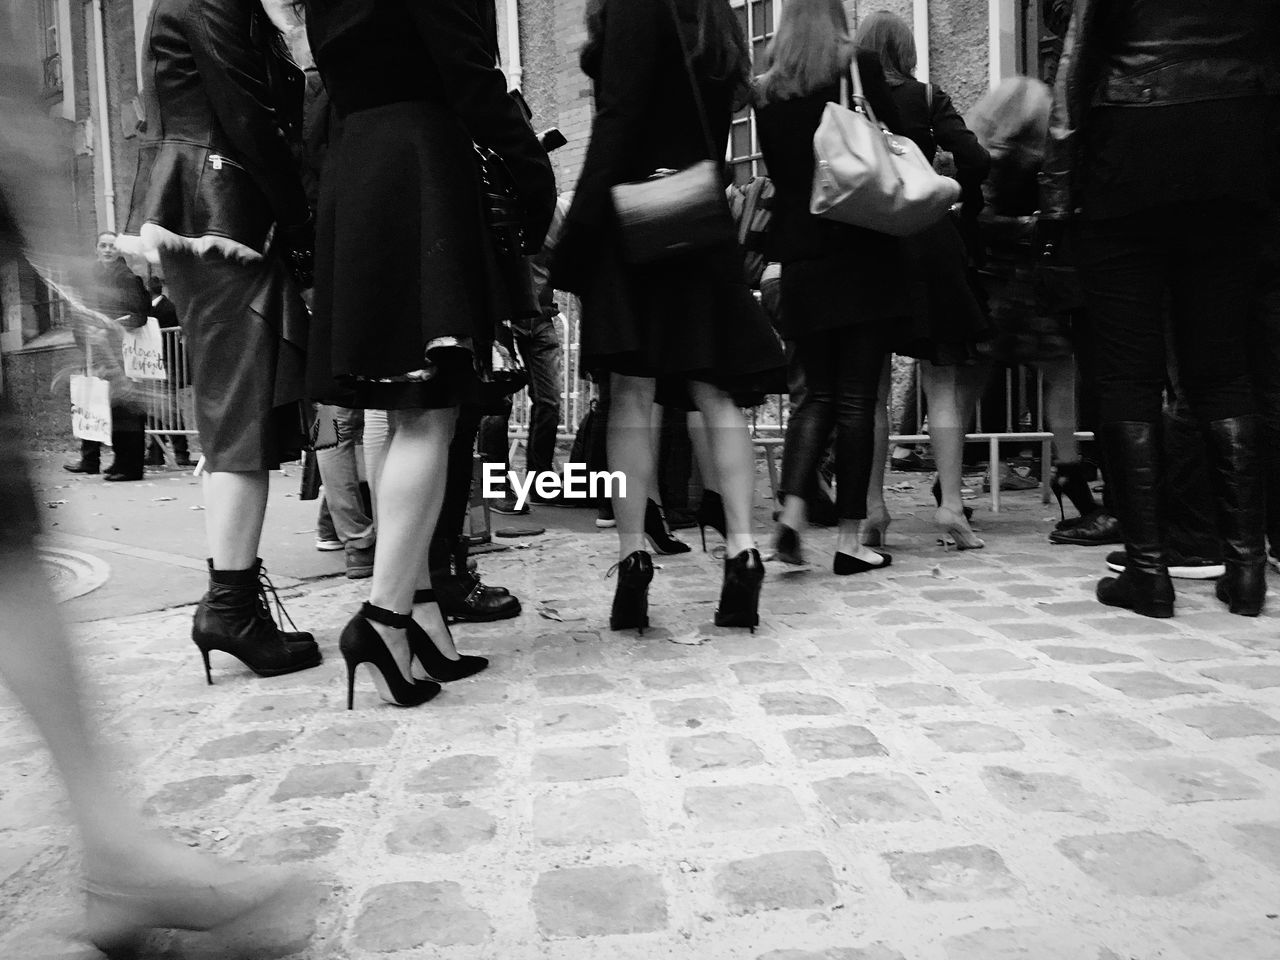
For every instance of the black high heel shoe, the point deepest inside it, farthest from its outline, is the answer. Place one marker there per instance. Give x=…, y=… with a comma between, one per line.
x=740, y=595
x=360, y=643
x=936, y=490
x=1071, y=479
x=786, y=546
x=710, y=513
x=631, y=598
x=656, y=532
x=437, y=666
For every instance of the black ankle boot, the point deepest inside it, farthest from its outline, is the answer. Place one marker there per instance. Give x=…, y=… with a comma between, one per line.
x=740, y=594
x=1133, y=452
x=1235, y=474
x=631, y=598
x=234, y=616
x=465, y=571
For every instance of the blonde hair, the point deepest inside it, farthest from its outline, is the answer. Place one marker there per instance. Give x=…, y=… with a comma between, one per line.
x=810, y=50
x=1013, y=117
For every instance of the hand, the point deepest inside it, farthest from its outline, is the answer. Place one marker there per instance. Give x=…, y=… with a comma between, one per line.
x=297, y=245
x=1048, y=237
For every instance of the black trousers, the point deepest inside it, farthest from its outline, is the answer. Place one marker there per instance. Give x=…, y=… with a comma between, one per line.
x=457, y=491
x=1266, y=369
x=842, y=377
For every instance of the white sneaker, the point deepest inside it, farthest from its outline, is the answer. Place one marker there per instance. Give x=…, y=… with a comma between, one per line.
x=328, y=546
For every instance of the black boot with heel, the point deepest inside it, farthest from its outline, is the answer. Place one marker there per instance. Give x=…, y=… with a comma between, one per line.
x=740, y=594
x=631, y=597
x=1235, y=474
x=361, y=644
x=432, y=660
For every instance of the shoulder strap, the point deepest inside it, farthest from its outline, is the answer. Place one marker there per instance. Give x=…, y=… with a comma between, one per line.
x=858, y=97
x=693, y=81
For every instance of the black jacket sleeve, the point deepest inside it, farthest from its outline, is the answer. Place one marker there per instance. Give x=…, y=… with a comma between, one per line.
x=236, y=76
x=454, y=34
x=971, y=157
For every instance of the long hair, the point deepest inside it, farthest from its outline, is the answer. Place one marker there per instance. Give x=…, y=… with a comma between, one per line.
x=888, y=37
x=720, y=53
x=810, y=49
x=1014, y=117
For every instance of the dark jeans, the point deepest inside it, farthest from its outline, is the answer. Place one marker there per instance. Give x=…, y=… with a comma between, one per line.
x=1190, y=513
x=128, y=442
x=539, y=347
x=842, y=376
x=457, y=491
x=1266, y=368
x=1201, y=260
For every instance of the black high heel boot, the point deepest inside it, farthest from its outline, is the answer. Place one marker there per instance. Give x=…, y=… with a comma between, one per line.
x=936, y=490
x=361, y=643
x=740, y=595
x=656, y=532
x=710, y=514
x=1071, y=479
x=631, y=598
x=1133, y=456
x=234, y=617
x=436, y=664
x=1235, y=474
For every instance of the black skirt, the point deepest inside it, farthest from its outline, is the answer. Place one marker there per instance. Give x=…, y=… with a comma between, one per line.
x=406, y=281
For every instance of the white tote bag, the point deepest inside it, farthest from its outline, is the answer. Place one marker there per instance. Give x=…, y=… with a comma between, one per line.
x=144, y=352
x=90, y=408
x=866, y=176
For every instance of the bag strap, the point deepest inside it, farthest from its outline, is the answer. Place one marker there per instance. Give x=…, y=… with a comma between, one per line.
x=856, y=97
x=693, y=81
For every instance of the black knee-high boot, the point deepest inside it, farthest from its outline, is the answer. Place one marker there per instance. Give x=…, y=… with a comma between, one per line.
x=1133, y=454
x=1235, y=474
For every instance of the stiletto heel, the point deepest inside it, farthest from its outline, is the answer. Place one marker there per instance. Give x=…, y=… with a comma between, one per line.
x=936, y=490
x=740, y=594
x=360, y=644
x=631, y=598
x=710, y=513
x=786, y=546
x=1071, y=479
x=433, y=661
x=656, y=532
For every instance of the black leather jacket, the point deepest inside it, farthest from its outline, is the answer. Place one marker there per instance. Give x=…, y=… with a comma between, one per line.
x=224, y=111
x=1145, y=53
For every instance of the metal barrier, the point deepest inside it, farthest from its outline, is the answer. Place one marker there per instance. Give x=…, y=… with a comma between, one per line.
x=170, y=402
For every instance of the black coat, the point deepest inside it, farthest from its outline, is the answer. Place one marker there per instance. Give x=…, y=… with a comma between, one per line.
x=934, y=124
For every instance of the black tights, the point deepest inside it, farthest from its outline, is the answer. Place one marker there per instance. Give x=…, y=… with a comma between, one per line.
x=457, y=491
x=842, y=377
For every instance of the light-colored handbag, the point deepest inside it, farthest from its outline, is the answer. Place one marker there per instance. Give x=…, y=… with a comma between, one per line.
x=866, y=176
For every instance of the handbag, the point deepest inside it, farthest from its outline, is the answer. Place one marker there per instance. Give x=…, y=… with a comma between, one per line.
x=866, y=176
x=676, y=212
x=507, y=377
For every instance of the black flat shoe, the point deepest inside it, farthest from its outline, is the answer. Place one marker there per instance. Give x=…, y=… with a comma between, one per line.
x=740, y=594
x=846, y=564
x=81, y=467
x=656, y=532
x=121, y=477
x=631, y=597
x=360, y=644
x=438, y=666
x=1097, y=529
x=786, y=546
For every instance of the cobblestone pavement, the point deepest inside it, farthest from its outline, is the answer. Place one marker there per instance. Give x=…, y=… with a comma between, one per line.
x=961, y=758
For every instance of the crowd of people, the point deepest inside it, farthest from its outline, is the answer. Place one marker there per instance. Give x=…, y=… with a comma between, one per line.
x=369, y=238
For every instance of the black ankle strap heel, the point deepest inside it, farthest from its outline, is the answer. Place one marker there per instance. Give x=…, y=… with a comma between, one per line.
x=430, y=658
x=361, y=643
x=388, y=618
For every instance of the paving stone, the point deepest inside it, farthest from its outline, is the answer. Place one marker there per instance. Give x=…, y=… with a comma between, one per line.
x=875, y=797
x=950, y=595
x=291, y=844
x=763, y=671
x=858, y=669
x=876, y=951
x=789, y=704
x=929, y=638
x=952, y=874
x=1139, y=864
x=993, y=614
x=1180, y=649
x=580, y=763
x=1129, y=626
x=834, y=743
x=1255, y=676
x=445, y=830
x=261, y=708
x=692, y=713
x=1221, y=721
x=1104, y=731
x=1086, y=655
x=324, y=780
x=573, y=685
x=183, y=796
x=1069, y=609
x=1191, y=779
x=967, y=736
x=599, y=901
x=410, y=915
x=751, y=806
x=847, y=641
x=981, y=661
x=464, y=771
x=608, y=815
x=677, y=680
x=1034, y=791
x=1147, y=684
x=1037, y=693
x=1239, y=940
x=794, y=880
x=249, y=744
x=1260, y=841
x=904, y=696
x=896, y=618
x=713, y=751
x=572, y=657
x=1021, y=943
x=1034, y=632
x=350, y=736
x=577, y=718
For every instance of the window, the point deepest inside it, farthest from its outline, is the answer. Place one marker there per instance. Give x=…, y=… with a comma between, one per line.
x=51, y=52
x=757, y=18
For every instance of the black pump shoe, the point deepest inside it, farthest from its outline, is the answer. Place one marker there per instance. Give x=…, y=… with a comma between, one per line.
x=656, y=532
x=846, y=564
x=710, y=513
x=361, y=644
x=631, y=597
x=740, y=594
x=1071, y=480
x=432, y=660
x=786, y=546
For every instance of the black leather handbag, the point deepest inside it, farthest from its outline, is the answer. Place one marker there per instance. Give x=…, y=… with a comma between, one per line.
x=675, y=212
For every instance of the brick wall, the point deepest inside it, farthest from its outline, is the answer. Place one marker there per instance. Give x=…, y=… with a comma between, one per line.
x=36, y=385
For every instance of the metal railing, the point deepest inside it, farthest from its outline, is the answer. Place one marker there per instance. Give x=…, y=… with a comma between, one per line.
x=170, y=402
